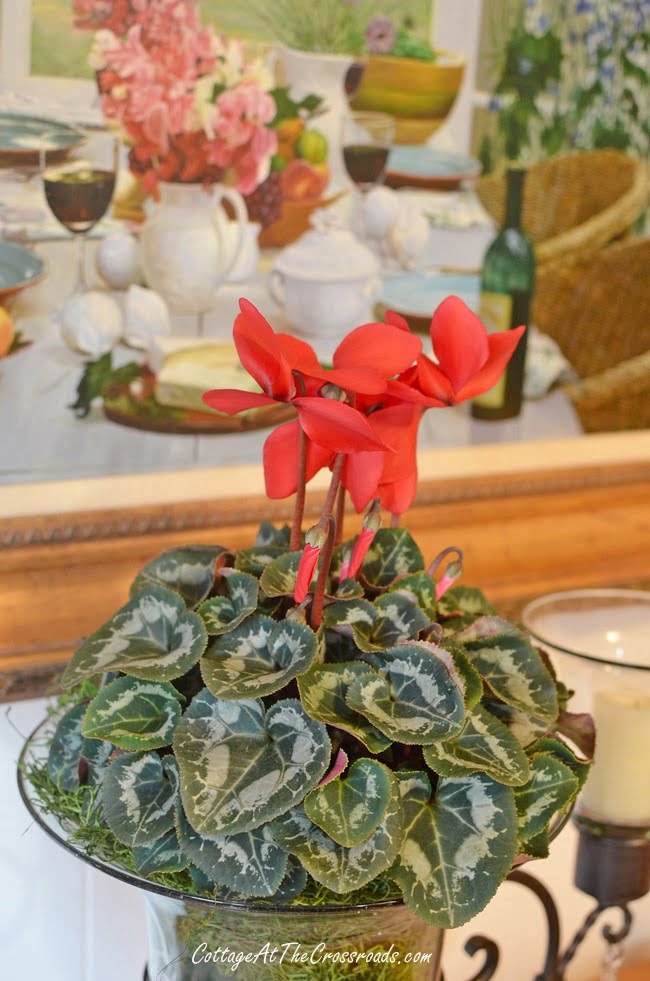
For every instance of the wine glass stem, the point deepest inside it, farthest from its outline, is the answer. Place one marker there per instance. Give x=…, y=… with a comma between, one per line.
x=82, y=285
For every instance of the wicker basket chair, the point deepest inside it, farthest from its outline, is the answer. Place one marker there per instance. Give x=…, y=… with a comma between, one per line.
x=598, y=310
x=575, y=203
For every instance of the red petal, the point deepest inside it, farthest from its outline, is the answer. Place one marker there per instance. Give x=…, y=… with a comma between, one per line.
x=308, y=563
x=459, y=340
x=397, y=320
x=397, y=497
x=398, y=426
x=302, y=357
x=232, y=400
x=384, y=347
x=397, y=389
x=360, y=550
x=360, y=476
x=364, y=381
x=281, y=460
x=336, y=425
x=260, y=353
x=502, y=346
x=433, y=382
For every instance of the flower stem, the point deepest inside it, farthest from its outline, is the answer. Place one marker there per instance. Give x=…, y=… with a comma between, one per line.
x=328, y=506
x=433, y=568
x=395, y=520
x=299, y=508
x=340, y=514
x=323, y=572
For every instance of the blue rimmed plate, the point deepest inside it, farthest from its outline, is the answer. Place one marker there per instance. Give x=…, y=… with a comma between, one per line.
x=19, y=268
x=416, y=295
x=24, y=138
x=429, y=168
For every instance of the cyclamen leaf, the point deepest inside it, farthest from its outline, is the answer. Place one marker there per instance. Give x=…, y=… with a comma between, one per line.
x=258, y=657
x=189, y=571
x=339, y=868
x=323, y=691
x=223, y=613
x=579, y=729
x=389, y=621
x=559, y=749
x=139, y=794
x=525, y=728
x=511, y=666
x=415, y=698
x=163, y=855
x=484, y=746
x=420, y=587
x=153, y=637
x=552, y=786
x=294, y=882
x=268, y=534
x=134, y=715
x=240, y=768
x=392, y=555
x=349, y=589
x=350, y=808
x=96, y=753
x=464, y=601
x=65, y=749
x=471, y=680
x=457, y=848
x=250, y=863
x=279, y=576
x=254, y=560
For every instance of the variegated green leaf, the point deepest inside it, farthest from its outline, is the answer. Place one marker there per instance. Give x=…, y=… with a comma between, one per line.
x=539, y=846
x=526, y=729
x=240, y=768
x=556, y=747
x=134, y=715
x=294, y=882
x=250, y=863
x=457, y=848
x=415, y=697
x=152, y=637
x=484, y=746
x=163, y=855
x=511, y=666
x=389, y=621
x=139, y=794
x=351, y=807
x=95, y=753
x=254, y=560
x=65, y=749
x=279, y=576
x=348, y=589
x=258, y=657
x=323, y=691
x=392, y=555
x=339, y=868
x=471, y=680
x=552, y=786
x=268, y=534
x=464, y=601
x=420, y=587
x=225, y=612
x=189, y=571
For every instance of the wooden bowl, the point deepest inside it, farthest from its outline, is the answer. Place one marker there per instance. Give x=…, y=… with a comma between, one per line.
x=294, y=220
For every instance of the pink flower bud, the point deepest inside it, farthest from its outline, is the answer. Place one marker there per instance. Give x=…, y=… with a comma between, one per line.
x=308, y=562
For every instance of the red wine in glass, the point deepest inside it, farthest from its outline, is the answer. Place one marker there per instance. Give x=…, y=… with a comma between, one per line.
x=365, y=163
x=79, y=198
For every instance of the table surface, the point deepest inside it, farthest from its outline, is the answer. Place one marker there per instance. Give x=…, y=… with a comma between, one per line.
x=42, y=440
x=61, y=920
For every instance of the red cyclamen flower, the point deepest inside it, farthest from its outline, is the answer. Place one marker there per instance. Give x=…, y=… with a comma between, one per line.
x=306, y=569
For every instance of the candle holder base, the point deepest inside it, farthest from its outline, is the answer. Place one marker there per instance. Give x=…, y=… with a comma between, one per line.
x=613, y=863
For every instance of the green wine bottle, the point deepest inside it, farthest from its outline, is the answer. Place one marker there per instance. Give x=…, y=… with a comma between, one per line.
x=506, y=294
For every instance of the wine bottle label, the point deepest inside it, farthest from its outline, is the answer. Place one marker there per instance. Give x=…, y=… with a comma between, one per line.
x=495, y=310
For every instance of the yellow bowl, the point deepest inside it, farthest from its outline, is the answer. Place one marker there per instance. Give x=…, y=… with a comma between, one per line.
x=418, y=94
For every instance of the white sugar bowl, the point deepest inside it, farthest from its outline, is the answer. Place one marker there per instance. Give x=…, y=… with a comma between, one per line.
x=326, y=283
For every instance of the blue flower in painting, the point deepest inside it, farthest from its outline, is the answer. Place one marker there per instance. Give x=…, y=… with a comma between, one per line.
x=544, y=23
x=585, y=7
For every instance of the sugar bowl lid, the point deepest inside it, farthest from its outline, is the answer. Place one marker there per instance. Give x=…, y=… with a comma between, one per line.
x=329, y=251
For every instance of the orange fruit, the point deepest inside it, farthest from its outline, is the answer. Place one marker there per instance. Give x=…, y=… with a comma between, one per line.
x=6, y=332
x=289, y=130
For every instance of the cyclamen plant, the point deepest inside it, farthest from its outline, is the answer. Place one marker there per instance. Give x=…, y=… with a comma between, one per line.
x=315, y=708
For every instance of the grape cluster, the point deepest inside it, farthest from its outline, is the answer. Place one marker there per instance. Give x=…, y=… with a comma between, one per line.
x=265, y=203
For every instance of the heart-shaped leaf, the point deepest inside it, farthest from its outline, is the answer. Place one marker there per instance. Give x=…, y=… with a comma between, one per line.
x=139, y=794
x=323, y=691
x=484, y=746
x=422, y=589
x=280, y=575
x=525, y=728
x=163, y=855
x=254, y=560
x=152, y=637
x=415, y=698
x=464, y=601
x=223, y=613
x=349, y=589
x=134, y=715
x=390, y=620
x=349, y=809
x=189, y=571
x=564, y=753
x=392, y=555
x=250, y=863
x=65, y=749
x=457, y=848
x=471, y=680
x=95, y=753
x=240, y=768
x=294, y=882
x=339, y=868
x=258, y=657
x=551, y=787
x=511, y=666
x=268, y=534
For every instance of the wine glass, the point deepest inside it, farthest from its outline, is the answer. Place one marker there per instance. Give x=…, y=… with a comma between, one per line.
x=79, y=191
x=367, y=139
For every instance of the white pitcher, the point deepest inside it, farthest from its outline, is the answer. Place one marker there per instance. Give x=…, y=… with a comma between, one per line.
x=187, y=251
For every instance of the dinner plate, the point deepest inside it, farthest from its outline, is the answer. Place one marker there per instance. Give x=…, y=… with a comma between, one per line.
x=430, y=168
x=23, y=138
x=416, y=295
x=19, y=268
